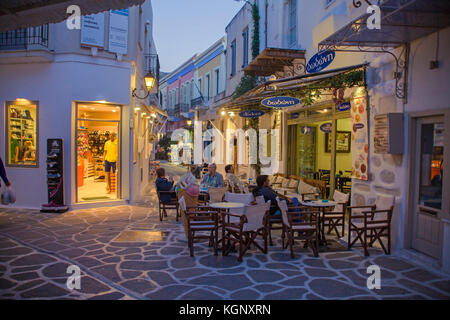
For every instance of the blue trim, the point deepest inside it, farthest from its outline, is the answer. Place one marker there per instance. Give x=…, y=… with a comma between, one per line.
x=204, y=61
x=182, y=73
x=123, y=12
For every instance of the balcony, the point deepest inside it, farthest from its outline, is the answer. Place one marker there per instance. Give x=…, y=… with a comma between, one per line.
x=184, y=107
x=196, y=102
x=25, y=39
x=25, y=45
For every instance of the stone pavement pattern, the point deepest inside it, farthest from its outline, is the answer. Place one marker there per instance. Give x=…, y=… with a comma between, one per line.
x=36, y=249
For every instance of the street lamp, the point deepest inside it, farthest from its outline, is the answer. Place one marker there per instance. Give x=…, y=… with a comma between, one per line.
x=149, y=80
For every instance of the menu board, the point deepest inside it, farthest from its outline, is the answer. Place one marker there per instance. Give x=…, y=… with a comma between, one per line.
x=381, y=134
x=360, y=138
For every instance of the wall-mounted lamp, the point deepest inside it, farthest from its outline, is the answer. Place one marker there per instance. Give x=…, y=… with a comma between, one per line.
x=189, y=122
x=149, y=80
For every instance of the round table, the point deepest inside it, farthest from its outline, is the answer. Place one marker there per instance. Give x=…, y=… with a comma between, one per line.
x=323, y=205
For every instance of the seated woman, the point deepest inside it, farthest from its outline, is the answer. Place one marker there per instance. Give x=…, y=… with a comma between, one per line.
x=232, y=178
x=164, y=184
x=263, y=189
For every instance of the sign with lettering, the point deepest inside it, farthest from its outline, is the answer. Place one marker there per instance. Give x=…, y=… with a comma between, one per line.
x=344, y=106
x=360, y=141
x=251, y=113
x=326, y=127
x=280, y=102
x=93, y=30
x=118, y=31
x=320, y=61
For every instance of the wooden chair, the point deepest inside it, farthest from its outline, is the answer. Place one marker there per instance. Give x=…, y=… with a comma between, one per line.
x=370, y=225
x=305, y=223
x=203, y=220
x=163, y=206
x=336, y=218
x=216, y=194
x=243, y=229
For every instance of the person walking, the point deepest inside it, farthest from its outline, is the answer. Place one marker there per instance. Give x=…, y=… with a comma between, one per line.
x=3, y=174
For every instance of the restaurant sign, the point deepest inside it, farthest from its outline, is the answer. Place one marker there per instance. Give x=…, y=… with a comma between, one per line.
x=326, y=127
x=344, y=106
x=251, y=113
x=280, y=102
x=306, y=130
x=320, y=61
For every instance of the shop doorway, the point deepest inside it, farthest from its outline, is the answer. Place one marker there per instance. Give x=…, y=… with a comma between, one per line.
x=315, y=151
x=430, y=173
x=98, y=149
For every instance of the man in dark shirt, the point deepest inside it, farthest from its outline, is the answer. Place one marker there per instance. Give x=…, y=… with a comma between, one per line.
x=164, y=184
x=263, y=189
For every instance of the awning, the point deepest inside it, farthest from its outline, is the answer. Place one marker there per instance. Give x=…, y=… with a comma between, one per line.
x=18, y=14
x=281, y=86
x=273, y=60
x=402, y=21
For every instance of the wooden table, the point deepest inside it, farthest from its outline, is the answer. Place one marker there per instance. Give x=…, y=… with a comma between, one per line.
x=223, y=207
x=321, y=205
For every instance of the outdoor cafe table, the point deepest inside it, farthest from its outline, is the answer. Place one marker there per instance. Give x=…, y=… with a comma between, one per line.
x=223, y=207
x=323, y=205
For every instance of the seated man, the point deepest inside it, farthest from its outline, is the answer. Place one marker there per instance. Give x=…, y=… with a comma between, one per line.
x=232, y=178
x=164, y=184
x=263, y=189
x=212, y=178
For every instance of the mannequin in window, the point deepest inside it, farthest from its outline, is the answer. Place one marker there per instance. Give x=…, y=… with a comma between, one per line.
x=110, y=159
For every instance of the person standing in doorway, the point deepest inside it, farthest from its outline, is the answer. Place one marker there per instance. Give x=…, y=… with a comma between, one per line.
x=110, y=159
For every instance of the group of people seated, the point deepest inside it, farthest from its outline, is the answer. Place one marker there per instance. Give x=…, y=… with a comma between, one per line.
x=212, y=178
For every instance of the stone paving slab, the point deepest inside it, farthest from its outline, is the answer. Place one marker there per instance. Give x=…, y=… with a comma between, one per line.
x=36, y=249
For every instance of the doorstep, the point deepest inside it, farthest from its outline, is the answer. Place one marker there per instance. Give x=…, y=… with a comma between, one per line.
x=422, y=260
x=98, y=204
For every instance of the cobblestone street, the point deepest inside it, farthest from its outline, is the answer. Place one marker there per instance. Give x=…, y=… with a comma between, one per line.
x=36, y=249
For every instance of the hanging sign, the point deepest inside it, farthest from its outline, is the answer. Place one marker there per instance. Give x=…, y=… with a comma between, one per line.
x=320, y=61
x=280, y=102
x=344, y=106
x=360, y=138
x=251, y=113
x=306, y=130
x=93, y=30
x=295, y=115
x=326, y=127
x=118, y=31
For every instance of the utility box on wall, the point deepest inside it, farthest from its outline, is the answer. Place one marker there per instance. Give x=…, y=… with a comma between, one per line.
x=388, y=133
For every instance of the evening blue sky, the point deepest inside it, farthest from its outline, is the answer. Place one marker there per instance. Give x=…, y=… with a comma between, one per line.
x=185, y=27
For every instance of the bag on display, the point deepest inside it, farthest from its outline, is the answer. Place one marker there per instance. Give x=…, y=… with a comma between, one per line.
x=8, y=196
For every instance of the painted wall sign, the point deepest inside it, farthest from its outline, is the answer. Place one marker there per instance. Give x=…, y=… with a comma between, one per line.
x=118, y=31
x=280, y=102
x=251, y=113
x=360, y=138
x=326, y=127
x=93, y=30
x=344, y=106
x=306, y=130
x=320, y=61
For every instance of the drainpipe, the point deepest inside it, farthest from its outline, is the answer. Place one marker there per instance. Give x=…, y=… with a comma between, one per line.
x=265, y=23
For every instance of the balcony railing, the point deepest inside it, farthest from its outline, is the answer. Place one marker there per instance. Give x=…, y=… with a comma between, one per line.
x=23, y=39
x=152, y=65
x=184, y=107
x=196, y=102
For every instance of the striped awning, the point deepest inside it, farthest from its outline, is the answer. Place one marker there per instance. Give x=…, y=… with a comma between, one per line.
x=18, y=14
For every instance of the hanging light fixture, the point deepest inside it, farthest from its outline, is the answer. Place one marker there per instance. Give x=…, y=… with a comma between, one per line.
x=149, y=80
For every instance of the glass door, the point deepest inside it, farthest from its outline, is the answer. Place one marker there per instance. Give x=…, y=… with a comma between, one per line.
x=98, y=152
x=427, y=229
